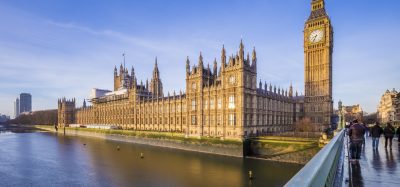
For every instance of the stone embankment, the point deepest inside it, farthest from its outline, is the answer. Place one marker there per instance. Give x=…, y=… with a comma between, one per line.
x=281, y=149
x=284, y=149
x=162, y=139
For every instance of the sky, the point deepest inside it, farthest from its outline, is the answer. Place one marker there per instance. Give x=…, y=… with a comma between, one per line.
x=64, y=48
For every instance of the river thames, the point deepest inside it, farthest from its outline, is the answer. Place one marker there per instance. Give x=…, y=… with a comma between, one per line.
x=48, y=159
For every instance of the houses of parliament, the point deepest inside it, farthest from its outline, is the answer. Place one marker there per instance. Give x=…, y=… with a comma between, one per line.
x=225, y=102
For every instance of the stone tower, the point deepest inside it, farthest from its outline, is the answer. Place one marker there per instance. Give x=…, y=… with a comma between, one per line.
x=156, y=87
x=66, y=112
x=318, y=48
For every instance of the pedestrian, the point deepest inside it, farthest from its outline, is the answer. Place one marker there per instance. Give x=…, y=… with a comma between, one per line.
x=388, y=132
x=365, y=132
x=398, y=135
x=356, y=134
x=376, y=132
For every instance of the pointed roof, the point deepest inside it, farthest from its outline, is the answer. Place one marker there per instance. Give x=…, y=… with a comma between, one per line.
x=156, y=72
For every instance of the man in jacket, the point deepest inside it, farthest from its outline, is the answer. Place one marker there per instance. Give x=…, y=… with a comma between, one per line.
x=388, y=132
x=398, y=135
x=356, y=134
x=376, y=132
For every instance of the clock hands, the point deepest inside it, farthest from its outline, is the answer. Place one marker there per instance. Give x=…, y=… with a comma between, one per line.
x=314, y=38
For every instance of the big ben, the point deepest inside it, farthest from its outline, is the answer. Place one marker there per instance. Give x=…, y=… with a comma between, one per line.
x=318, y=48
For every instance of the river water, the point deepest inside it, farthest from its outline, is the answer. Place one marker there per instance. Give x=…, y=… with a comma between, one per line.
x=48, y=159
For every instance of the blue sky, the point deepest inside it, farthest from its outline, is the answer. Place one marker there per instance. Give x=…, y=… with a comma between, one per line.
x=56, y=48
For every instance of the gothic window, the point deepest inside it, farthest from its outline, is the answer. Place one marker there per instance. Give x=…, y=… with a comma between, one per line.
x=219, y=119
x=231, y=104
x=212, y=106
x=193, y=120
x=232, y=80
x=194, y=86
x=205, y=104
x=219, y=103
x=232, y=119
x=193, y=104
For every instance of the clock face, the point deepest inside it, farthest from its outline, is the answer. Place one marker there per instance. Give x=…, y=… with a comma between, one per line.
x=316, y=36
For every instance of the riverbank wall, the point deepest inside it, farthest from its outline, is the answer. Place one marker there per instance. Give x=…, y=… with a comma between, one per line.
x=274, y=148
x=284, y=149
x=170, y=140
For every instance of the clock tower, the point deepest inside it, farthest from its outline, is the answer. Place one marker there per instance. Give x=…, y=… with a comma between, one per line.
x=318, y=48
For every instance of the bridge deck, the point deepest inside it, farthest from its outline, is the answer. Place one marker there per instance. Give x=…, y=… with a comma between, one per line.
x=377, y=167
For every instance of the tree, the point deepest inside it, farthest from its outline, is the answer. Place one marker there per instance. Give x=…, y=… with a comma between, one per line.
x=305, y=125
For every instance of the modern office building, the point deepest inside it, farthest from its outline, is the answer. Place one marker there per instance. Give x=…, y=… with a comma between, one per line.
x=16, y=108
x=25, y=102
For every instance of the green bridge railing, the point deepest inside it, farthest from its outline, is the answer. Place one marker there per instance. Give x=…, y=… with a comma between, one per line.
x=322, y=169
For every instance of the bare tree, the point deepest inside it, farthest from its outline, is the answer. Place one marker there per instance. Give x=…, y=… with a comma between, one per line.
x=305, y=125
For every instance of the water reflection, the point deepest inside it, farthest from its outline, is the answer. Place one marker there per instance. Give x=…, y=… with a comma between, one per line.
x=390, y=162
x=51, y=159
x=376, y=160
x=356, y=174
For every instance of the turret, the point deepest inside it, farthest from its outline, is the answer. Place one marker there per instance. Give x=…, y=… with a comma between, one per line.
x=265, y=86
x=201, y=62
x=156, y=87
x=115, y=71
x=254, y=59
x=156, y=72
x=187, y=66
x=121, y=69
x=147, y=84
x=215, y=68
x=291, y=90
x=241, y=52
x=223, y=58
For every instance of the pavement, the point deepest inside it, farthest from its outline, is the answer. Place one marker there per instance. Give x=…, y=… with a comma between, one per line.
x=379, y=167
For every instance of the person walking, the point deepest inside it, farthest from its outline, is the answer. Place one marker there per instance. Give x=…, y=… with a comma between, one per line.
x=388, y=132
x=398, y=135
x=365, y=133
x=376, y=132
x=356, y=134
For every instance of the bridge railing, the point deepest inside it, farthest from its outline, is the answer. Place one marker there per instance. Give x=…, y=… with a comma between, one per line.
x=321, y=169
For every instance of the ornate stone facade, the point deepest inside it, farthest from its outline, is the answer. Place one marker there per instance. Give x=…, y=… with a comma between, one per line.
x=224, y=102
x=349, y=113
x=318, y=48
x=387, y=107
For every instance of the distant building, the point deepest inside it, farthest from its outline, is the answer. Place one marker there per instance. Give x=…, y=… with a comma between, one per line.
x=397, y=115
x=387, y=107
x=349, y=113
x=16, y=108
x=4, y=118
x=25, y=102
